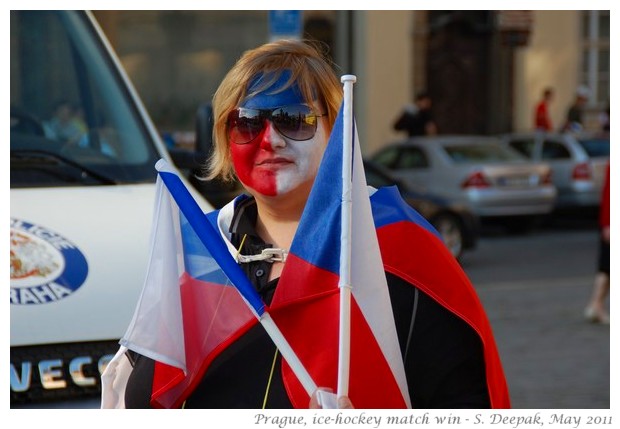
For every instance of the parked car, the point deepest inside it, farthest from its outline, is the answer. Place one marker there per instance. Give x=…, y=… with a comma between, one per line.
x=458, y=226
x=491, y=179
x=577, y=161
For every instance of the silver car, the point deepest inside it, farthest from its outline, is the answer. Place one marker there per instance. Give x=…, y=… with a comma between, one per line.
x=493, y=180
x=578, y=163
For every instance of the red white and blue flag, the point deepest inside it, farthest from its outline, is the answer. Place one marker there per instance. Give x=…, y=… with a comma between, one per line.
x=190, y=311
x=307, y=301
x=188, y=307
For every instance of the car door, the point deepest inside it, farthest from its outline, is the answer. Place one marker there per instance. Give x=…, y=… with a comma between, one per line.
x=413, y=166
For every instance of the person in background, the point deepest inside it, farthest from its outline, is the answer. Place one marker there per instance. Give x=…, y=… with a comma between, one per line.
x=66, y=125
x=574, y=115
x=595, y=311
x=542, y=120
x=417, y=119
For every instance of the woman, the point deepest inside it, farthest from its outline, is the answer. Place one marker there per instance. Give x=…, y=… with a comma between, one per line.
x=595, y=311
x=274, y=112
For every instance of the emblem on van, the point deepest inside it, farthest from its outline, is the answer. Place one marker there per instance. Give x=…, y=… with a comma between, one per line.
x=45, y=266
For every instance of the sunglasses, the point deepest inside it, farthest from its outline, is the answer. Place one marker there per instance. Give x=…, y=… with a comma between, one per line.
x=296, y=122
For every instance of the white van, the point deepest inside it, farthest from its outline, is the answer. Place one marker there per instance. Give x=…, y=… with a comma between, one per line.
x=82, y=178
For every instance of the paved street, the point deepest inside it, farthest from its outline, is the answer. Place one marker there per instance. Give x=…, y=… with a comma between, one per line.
x=534, y=288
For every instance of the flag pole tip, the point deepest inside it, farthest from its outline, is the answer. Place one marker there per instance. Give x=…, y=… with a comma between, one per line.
x=160, y=165
x=348, y=78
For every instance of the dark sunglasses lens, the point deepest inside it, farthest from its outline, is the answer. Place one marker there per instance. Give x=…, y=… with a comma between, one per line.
x=295, y=122
x=244, y=125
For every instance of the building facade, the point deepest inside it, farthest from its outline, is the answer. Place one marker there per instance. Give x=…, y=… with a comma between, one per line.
x=485, y=70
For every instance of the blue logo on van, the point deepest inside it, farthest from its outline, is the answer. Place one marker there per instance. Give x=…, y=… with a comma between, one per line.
x=45, y=266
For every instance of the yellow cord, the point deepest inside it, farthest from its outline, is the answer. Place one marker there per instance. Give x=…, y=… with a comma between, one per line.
x=273, y=365
x=241, y=246
x=275, y=356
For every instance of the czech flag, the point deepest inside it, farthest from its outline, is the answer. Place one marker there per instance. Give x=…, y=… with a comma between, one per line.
x=189, y=307
x=386, y=235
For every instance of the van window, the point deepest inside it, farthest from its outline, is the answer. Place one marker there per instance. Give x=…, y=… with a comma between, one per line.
x=72, y=121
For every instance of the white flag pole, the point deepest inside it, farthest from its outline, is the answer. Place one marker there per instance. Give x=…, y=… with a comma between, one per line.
x=345, y=239
x=288, y=353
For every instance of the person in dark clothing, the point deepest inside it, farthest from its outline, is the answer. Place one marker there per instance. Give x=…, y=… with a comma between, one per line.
x=273, y=114
x=595, y=311
x=417, y=119
x=444, y=363
x=574, y=115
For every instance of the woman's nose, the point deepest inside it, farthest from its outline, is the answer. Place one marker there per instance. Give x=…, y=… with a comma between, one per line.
x=271, y=138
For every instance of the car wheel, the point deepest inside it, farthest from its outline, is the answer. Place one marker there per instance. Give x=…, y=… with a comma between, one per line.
x=451, y=230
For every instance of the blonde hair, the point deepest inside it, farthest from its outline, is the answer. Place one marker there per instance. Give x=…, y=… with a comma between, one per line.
x=310, y=70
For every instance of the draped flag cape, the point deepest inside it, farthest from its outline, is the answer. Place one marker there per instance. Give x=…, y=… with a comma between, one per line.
x=208, y=314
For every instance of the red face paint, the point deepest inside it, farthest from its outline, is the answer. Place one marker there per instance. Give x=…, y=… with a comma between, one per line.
x=247, y=162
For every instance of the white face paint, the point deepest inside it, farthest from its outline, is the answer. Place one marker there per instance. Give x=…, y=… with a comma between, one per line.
x=307, y=157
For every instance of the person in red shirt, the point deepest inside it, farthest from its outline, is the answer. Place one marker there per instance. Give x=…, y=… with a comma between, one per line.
x=542, y=121
x=595, y=311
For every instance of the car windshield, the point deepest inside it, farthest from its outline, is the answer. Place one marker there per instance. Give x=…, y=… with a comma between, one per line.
x=72, y=122
x=595, y=147
x=480, y=152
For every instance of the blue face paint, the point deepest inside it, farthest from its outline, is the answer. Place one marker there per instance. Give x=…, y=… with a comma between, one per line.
x=272, y=97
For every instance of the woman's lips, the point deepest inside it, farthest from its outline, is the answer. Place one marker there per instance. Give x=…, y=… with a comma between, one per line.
x=273, y=162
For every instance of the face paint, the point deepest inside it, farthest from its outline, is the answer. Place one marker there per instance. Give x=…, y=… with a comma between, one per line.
x=272, y=164
x=273, y=96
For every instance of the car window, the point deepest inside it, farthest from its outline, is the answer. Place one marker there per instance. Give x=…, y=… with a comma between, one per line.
x=412, y=157
x=387, y=157
x=463, y=154
x=375, y=179
x=523, y=146
x=72, y=121
x=554, y=150
x=595, y=147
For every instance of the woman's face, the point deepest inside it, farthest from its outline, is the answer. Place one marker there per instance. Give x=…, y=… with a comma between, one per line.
x=272, y=164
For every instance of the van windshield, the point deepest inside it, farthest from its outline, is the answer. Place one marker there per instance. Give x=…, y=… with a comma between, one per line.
x=73, y=122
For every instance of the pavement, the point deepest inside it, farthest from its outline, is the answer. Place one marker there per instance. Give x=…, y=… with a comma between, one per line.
x=534, y=289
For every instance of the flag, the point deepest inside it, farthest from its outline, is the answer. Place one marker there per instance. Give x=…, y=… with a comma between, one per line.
x=188, y=307
x=306, y=302
x=424, y=261
x=195, y=301
x=387, y=235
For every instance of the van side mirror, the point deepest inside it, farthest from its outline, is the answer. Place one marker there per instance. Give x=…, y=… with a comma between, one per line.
x=194, y=161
